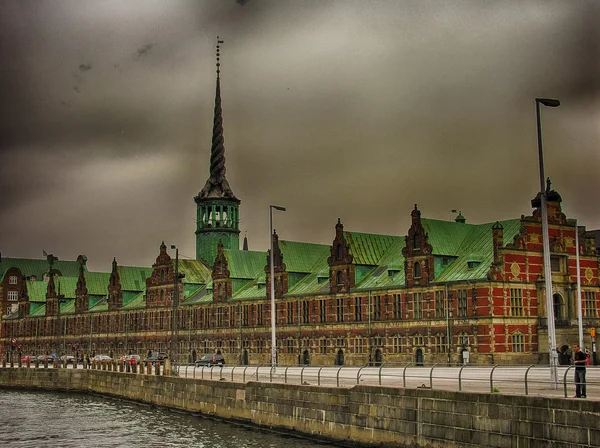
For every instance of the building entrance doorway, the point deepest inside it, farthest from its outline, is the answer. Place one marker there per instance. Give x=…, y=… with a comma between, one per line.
x=419, y=357
x=339, y=359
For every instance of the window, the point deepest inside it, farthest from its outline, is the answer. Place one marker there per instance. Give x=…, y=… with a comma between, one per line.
x=305, y=312
x=12, y=280
x=339, y=278
x=359, y=346
x=417, y=270
x=219, y=317
x=555, y=264
x=231, y=316
x=322, y=311
x=516, y=302
x=358, y=309
x=440, y=306
x=162, y=275
x=340, y=310
x=259, y=314
x=518, y=342
x=290, y=312
x=397, y=306
x=13, y=296
x=472, y=264
x=417, y=340
x=416, y=241
x=397, y=343
x=323, y=345
x=377, y=308
x=589, y=301
x=418, y=305
x=245, y=313
x=341, y=342
x=289, y=345
x=340, y=252
x=440, y=343
x=463, y=306
x=260, y=346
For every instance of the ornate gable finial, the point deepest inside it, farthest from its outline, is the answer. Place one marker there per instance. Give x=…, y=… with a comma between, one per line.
x=81, y=283
x=51, y=290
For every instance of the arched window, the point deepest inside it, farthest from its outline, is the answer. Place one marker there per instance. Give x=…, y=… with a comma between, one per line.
x=162, y=295
x=416, y=241
x=220, y=290
x=417, y=270
x=340, y=252
x=162, y=275
x=339, y=278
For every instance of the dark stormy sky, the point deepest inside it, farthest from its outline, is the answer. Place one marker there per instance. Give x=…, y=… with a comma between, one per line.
x=351, y=109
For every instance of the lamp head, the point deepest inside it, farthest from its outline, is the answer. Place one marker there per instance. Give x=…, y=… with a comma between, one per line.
x=173, y=246
x=548, y=102
x=277, y=207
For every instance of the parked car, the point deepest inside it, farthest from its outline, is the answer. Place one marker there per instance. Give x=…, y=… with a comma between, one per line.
x=102, y=358
x=136, y=358
x=27, y=358
x=67, y=358
x=42, y=358
x=210, y=359
x=156, y=357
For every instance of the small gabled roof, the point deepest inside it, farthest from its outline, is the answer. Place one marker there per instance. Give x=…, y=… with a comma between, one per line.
x=38, y=267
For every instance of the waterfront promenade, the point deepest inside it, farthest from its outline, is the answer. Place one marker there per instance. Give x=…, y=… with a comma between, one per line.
x=362, y=414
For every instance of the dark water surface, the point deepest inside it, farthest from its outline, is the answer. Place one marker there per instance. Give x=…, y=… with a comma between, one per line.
x=41, y=419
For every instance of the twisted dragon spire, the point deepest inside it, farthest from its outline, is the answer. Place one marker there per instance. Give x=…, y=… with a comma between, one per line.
x=217, y=185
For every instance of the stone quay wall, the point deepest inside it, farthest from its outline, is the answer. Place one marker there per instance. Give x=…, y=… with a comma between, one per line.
x=362, y=415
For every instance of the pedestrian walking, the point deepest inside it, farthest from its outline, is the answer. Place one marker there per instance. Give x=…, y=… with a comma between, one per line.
x=579, y=360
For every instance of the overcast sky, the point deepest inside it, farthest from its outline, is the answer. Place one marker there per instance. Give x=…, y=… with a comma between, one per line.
x=351, y=109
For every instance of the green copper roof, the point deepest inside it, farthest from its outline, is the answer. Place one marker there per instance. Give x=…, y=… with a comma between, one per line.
x=133, y=278
x=96, y=282
x=247, y=264
x=446, y=236
x=201, y=295
x=476, y=247
x=30, y=266
x=195, y=271
x=300, y=257
x=390, y=272
x=134, y=301
x=36, y=290
x=368, y=248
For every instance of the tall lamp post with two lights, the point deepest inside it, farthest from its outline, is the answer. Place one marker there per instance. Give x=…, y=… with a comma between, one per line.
x=174, y=355
x=273, y=310
x=548, y=102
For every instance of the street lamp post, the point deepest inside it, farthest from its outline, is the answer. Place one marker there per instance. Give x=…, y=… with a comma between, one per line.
x=273, y=310
x=60, y=299
x=548, y=102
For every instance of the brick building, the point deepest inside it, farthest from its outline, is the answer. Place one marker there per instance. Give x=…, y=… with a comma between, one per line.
x=429, y=294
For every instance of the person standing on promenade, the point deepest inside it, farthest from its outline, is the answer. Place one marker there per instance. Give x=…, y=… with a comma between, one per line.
x=579, y=360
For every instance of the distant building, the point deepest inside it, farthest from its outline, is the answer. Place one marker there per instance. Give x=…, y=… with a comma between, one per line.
x=438, y=292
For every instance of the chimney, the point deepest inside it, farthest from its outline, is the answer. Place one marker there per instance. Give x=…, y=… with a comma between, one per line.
x=497, y=240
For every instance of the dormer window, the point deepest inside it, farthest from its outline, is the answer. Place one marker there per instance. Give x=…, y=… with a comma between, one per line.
x=417, y=270
x=472, y=264
x=12, y=280
x=416, y=241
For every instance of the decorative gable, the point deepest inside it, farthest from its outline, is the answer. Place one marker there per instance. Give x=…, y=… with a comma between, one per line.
x=279, y=269
x=341, y=266
x=51, y=297
x=222, y=284
x=418, y=258
x=24, y=306
x=115, y=295
x=81, y=293
x=160, y=285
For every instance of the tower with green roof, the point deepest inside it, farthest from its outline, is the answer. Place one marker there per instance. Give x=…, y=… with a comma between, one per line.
x=217, y=208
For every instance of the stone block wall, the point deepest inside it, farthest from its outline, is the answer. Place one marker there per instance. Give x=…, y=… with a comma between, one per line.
x=366, y=415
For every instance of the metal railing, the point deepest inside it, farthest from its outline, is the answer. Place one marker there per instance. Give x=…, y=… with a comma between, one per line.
x=499, y=378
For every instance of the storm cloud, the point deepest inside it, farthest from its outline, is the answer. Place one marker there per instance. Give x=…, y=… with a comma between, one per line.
x=346, y=109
